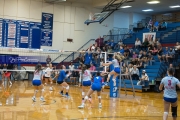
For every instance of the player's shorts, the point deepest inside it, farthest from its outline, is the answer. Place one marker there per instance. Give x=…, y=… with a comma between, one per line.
x=117, y=70
x=60, y=82
x=171, y=100
x=96, y=87
x=7, y=74
x=36, y=82
x=86, y=83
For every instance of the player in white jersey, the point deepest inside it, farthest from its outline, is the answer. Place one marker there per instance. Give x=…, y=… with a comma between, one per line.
x=117, y=59
x=170, y=95
x=86, y=81
x=37, y=82
x=47, y=76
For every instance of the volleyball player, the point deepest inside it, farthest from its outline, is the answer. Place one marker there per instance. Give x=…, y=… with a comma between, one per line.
x=61, y=80
x=96, y=86
x=47, y=76
x=37, y=82
x=86, y=74
x=170, y=95
x=116, y=63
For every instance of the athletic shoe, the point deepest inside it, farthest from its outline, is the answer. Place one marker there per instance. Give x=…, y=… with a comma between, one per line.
x=42, y=99
x=100, y=105
x=81, y=106
x=67, y=96
x=51, y=89
x=61, y=94
x=10, y=82
x=106, y=84
x=33, y=99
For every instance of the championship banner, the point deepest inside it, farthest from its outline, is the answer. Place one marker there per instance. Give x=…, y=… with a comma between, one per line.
x=46, y=37
x=1, y=32
x=149, y=36
x=47, y=21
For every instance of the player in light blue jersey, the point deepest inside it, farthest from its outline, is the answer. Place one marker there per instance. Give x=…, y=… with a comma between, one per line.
x=96, y=86
x=61, y=80
x=170, y=95
x=116, y=63
x=37, y=82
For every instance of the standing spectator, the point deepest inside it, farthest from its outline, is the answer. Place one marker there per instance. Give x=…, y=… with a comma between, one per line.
x=112, y=44
x=170, y=55
x=72, y=77
x=145, y=44
x=135, y=73
x=48, y=60
x=156, y=26
x=93, y=48
x=121, y=50
x=150, y=25
x=118, y=45
x=100, y=42
x=137, y=44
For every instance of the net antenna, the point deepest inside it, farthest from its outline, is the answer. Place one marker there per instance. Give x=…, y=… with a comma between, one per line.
x=110, y=8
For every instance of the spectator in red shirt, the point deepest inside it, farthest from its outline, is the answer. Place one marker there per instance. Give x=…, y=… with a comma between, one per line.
x=100, y=42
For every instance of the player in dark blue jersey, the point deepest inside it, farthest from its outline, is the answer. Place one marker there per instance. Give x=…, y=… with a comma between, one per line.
x=96, y=86
x=61, y=80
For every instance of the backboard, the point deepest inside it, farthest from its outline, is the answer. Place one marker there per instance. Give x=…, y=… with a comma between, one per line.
x=97, y=17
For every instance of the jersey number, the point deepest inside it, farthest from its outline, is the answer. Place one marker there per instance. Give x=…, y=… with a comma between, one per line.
x=169, y=82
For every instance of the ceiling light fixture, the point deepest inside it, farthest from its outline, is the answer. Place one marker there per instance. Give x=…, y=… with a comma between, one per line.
x=147, y=10
x=176, y=6
x=126, y=6
x=153, y=2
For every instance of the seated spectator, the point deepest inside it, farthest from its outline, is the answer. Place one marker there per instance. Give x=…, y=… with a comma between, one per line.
x=109, y=49
x=145, y=44
x=126, y=52
x=171, y=66
x=163, y=56
x=112, y=44
x=130, y=67
x=133, y=61
x=156, y=26
x=177, y=48
x=156, y=42
x=144, y=77
x=159, y=48
x=121, y=50
x=170, y=55
x=140, y=64
x=135, y=73
x=144, y=58
x=154, y=51
x=134, y=55
x=118, y=45
x=140, y=54
x=124, y=70
x=137, y=44
x=150, y=58
x=151, y=43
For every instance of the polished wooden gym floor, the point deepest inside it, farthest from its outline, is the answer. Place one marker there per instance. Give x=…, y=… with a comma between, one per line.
x=16, y=104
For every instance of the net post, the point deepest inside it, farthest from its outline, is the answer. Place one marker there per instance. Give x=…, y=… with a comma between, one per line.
x=120, y=75
x=105, y=57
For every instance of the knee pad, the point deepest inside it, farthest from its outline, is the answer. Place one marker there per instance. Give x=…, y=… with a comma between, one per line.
x=86, y=97
x=42, y=90
x=83, y=93
x=174, y=111
x=99, y=97
x=67, y=88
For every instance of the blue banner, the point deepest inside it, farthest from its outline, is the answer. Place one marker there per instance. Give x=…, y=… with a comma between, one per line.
x=47, y=21
x=10, y=36
x=1, y=32
x=35, y=35
x=22, y=34
x=46, y=37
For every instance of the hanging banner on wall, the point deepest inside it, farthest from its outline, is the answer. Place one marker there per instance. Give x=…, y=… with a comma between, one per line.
x=149, y=36
x=10, y=36
x=46, y=37
x=35, y=35
x=47, y=21
x=1, y=32
x=22, y=34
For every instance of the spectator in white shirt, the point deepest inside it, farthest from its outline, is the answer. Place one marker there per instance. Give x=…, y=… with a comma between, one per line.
x=137, y=44
x=135, y=73
x=144, y=77
x=72, y=77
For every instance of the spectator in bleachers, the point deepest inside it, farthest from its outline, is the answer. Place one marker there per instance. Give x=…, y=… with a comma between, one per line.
x=150, y=25
x=171, y=66
x=48, y=60
x=104, y=49
x=108, y=43
x=100, y=42
x=170, y=55
x=150, y=58
x=140, y=64
x=159, y=47
x=118, y=45
x=121, y=50
x=154, y=51
x=92, y=48
x=144, y=77
x=112, y=44
x=134, y=55
x=145, y=44
x=163, y=56
x=151, y=43
x=156, y=26
x=144, y=58
x=163, y=25
x=130, y=67
x=135, y=73
x=92, y=68
x=140, y=54
x=109, y=49
x=177, y=48
x=124, y=70
x=133, y=61
x=137, y=44
x=126, y=52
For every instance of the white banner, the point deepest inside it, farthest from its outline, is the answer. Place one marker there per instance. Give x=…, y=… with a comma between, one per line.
x=149, y=36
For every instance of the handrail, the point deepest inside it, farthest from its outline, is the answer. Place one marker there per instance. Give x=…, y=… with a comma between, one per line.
x=72, y=52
